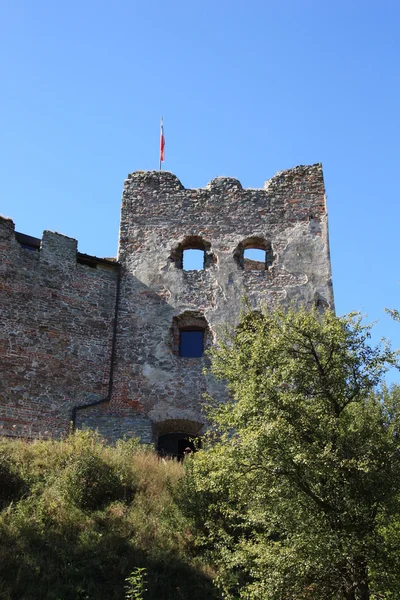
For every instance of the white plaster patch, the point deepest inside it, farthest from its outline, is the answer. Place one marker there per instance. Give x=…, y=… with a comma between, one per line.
x=156, y=376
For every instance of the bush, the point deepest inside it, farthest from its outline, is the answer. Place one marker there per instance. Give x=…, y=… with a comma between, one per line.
x=12, y=485
x=92, y=476
x=91, y=483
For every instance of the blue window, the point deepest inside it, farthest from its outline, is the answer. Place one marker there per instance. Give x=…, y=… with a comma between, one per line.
x=191, y=343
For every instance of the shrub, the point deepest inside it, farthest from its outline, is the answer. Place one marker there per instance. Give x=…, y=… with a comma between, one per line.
x=90, y=483
x=12, y=485
x=92, y=476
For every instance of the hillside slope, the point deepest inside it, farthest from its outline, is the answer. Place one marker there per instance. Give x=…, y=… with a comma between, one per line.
x=77, y=517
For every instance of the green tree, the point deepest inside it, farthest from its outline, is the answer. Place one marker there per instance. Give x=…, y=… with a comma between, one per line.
x=296, y=492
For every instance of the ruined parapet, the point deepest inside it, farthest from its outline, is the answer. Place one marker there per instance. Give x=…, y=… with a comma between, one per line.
x=159, y=215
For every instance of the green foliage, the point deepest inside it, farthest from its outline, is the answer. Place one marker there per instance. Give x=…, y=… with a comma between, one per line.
x=136, y=584
x=12, y=485
x=78, y=515
x=296, y=494
x=88, y=479
x=392, y=312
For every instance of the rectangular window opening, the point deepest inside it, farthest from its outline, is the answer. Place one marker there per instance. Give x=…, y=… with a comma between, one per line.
x=191, y=344
x=193, y=260
x=254, y=259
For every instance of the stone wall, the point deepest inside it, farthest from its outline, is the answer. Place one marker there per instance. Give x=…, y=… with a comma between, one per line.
x=56, y=316
x=61, y=355
x=159, y=219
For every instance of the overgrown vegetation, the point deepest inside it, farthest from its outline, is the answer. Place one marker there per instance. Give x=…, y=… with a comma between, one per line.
x=295, y=494
x=80, y=519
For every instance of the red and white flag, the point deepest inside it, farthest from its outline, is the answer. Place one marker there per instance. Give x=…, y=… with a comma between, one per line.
x=162, y=142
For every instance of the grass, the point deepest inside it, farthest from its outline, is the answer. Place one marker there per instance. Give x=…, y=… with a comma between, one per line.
x=78, y=517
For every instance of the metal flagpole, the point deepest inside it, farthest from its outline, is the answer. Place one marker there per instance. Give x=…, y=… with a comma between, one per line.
x=161, y=142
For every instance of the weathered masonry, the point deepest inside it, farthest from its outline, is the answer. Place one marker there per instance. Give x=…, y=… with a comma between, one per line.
x=119, y=345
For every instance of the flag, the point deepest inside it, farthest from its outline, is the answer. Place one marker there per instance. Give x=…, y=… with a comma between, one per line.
x=162, y=142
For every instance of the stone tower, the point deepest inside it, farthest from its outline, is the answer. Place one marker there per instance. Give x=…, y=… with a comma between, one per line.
x=119, y=345
x=157, y=387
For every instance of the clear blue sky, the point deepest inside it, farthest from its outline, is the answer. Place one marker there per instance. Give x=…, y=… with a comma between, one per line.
x=246, y=89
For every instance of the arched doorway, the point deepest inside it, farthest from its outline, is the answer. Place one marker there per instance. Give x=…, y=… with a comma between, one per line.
x=175, y=444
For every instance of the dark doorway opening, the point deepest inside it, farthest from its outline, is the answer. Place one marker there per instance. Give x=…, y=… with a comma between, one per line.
x=175, y=444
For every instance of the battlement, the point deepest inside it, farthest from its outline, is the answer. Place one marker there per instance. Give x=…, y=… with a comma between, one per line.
x=52, y=249
x=224, y=184
x=302, y=175
x=155, y=180
x=293, y=195
x=155, y=203
x=167, y=182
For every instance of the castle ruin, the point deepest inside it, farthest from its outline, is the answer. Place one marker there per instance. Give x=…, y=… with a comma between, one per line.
x=118, y=345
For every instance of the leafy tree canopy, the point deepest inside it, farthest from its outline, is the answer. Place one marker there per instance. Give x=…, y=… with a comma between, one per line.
x=297, y=488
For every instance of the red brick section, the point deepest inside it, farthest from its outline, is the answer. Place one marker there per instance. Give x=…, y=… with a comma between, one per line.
x=55, y=334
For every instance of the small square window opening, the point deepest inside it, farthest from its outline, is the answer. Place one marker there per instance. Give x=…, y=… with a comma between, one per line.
x=193, y=260
x=191, y=344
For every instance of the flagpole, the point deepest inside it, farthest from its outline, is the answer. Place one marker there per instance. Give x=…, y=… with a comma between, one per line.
x=161, y=134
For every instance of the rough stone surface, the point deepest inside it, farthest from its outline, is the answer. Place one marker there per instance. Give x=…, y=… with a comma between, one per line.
x=56, y=315
x=56, y=319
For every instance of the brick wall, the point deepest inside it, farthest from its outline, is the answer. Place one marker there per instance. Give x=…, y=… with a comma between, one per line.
x=56, y=320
